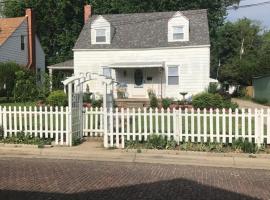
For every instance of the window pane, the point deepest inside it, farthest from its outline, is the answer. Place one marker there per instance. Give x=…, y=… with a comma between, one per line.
x=100, y=35
x=173, y=80
x=178, y=29
x=100, y=32
x=173, y=71
x=107, y=72
x=101, y=39
x=178, y=36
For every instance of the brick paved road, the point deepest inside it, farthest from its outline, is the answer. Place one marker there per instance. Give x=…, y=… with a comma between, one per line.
x=67, y=179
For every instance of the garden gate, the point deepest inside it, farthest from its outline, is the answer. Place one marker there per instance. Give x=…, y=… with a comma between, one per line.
x=74, y=86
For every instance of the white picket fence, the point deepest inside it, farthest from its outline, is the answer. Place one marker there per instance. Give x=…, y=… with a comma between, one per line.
x=43, y=122
x=182, y=126
x=118, y=126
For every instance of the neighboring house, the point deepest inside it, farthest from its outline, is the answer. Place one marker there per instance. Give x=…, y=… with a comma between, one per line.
x=19, y=42
x=261, y=86
x=167, y=52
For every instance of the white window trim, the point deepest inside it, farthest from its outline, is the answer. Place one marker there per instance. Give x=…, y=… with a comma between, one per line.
x=167, y=74
x=105, y=42
x=183, y=32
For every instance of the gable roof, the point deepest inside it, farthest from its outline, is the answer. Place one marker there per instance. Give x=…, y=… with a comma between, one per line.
x=146, y=30
x=8, y=26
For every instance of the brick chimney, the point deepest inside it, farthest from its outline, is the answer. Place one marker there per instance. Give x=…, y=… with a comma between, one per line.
x=31, y=39
x=87, y=12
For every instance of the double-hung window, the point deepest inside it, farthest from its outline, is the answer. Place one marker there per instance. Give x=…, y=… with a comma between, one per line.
x=107, y=72
x=100, y=35
x=178, y=33
x=173, y=75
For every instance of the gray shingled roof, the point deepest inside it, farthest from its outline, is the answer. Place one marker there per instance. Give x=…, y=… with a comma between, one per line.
x=146, y=30
x=65, y=64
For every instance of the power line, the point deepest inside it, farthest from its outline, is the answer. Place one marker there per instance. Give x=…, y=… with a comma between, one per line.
x=248, y=5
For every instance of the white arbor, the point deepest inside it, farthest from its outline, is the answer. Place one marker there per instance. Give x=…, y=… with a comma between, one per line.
x=75, y=87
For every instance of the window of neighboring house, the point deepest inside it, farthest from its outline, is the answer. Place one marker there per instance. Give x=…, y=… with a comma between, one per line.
x=173, y=75
x=22, y=43
x=107, y=72
x=178, y=33
x=100, y=35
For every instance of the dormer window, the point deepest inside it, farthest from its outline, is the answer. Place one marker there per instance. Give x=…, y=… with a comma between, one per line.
x=178, y=33
x=100, y=31
x=178, y=28
x=100, y=35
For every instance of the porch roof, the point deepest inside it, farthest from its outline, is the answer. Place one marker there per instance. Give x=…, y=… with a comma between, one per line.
x=137, y=64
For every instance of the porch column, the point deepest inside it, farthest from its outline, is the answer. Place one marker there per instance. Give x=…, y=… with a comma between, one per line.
x=51, y=76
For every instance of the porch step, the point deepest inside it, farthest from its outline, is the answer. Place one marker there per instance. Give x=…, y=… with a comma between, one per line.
x=132, y=103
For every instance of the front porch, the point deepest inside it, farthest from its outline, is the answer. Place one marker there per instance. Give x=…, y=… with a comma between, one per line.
x=135, y=80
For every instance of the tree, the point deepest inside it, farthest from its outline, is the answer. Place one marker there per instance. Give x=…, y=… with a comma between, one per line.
x=264, y=55
x=59, y=22
x=239, y=66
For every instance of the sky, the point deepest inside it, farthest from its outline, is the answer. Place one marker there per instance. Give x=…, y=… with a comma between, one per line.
x=260, y=13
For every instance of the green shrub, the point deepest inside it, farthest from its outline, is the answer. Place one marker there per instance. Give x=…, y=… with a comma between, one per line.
x=97, y=103
x=208, y=100
x=153, y=101
x=166, y=103
x=213, y=88
x=260, y=100
x=160, y=142
x=26, y=88
x=87, y=98
x=1, y=132
x=57, y=98
x=244, y=145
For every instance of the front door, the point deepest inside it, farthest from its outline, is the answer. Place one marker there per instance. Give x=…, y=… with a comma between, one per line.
x=139, y=90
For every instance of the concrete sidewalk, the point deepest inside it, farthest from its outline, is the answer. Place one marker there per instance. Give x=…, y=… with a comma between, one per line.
x=92, y=150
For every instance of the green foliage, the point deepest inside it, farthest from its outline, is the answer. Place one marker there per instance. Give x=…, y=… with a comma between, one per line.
x=260, y=101
x=1, y=132
x=235, y=68
x=160, y=142
x=23, y=138
x=26, y=87
x=44, y=86
x=87, y=98
x=213, y=88
x=208, y=100
x=7, y=78
x=97, y=103
x=166, y=103
x=153, y=100
x=57, y=98
x=244, y=146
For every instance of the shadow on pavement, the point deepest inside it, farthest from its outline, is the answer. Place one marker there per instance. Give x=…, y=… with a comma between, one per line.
x=172, y=189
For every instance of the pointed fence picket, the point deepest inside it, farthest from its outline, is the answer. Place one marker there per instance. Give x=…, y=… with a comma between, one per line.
x=222, y=126
x=118, y=126
x=40, y=122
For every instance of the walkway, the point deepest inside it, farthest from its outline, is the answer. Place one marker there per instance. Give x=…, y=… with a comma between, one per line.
x=249, y=104
x=40, y=179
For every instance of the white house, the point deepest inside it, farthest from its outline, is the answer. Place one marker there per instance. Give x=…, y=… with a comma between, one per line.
x=19, y=42
x=167, y=52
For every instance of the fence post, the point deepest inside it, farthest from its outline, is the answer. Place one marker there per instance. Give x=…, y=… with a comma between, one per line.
x=257, y=120
x=5, y=121
x=105, y=120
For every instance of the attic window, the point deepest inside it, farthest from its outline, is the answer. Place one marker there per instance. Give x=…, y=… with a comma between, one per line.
x=178, y=33
x=100, y=35
x=22, y=43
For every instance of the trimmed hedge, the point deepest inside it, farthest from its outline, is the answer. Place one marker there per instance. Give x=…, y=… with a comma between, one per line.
x=208, y=100
x=57, y=98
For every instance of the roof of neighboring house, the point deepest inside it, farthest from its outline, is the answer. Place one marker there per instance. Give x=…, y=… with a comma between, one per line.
x=62, y=65
x=8, y=26
x=146, y=30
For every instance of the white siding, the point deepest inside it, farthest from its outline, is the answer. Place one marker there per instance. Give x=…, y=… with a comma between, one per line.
x=194, y=65
x=40, y=56
x=11, y=49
